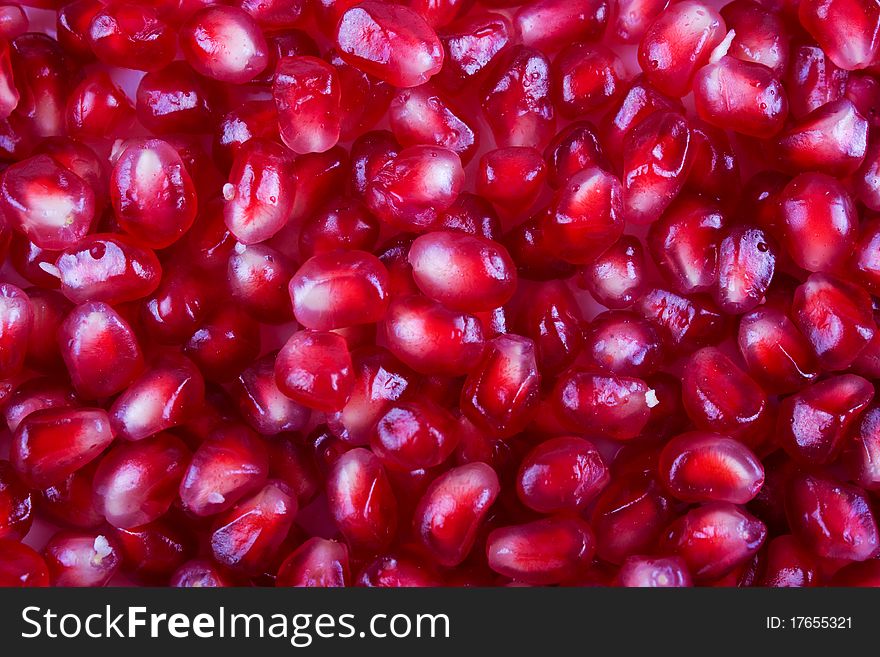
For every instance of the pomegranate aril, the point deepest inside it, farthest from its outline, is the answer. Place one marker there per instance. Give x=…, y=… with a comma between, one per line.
x=258, y=276
x=560, y=475
x=616, y=278
x=553, y=321
x=21, y=566
x=314, y=368
x=307, y=95
x=415, y=434
x=275, y=14
x=813, y=423
x=262, y=404
x=97, y=108
x=172, y=99
x=678, y=43
x=550, y=24
x=200, y=573
x=835, y=316
x=775, y=352
x=16, y=323
x=224, y=43
x=542, y=552
x=517, y=101
x=714, y=539
x=318, y=562
x=586, y=78
x=13, y=21
x=72, y=502
x=746, y=264
x=631, y=18
x=135, y=483
x=153, y=552
x=362, y=501
x=846, y=30
x=831, y=519
x=813, y=80
x=249, y=536
x=761, y=34
x=132, y=36
x=471, y=47
x=576, y=147
x=391, y=42
x=682, y=322
x=715, y=168
x=227, y=342
x=16, y=505
x=82, y=559
x=789, y=564
x=396, y=572
x=623, y=343
x=452, y=510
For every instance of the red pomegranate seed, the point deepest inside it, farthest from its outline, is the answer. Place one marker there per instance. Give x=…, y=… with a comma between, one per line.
x=318, y=562
x=846, y=30
x=16, y=324
x=16, y=505
x=714, y=539
x=542, y=552
x=452, y=510
x=391, y=42
x=275, y=14
x=72, y=502
x=226, y=343
x=551, y=24
x=682, y=322
x=471, y=47
x=13, y=21
x=173, y=99
x=131, y=35
x=135, y=483
x=586, y=78
x=262, y=404
x=258, y=276
x=307, y=96
x=574, y=148
x=396, y=572
x=616, y=278
x=654, y=572
x=97, y=108
x=314, y=369
x=362, y=501
x=742, y=96
x=230, y=464
x=511, y=178
x=761, y=35
x=517, y=100
x=82, y=559
x=224, y=43
x=789, y=564
x=34, y=395
x=831, y=519
x=746, y=264
x=153, y=552
x=813, y=423
x=836, y=318
x=423, y=115
x=553, y=322
x=813, y=80
x=561, y=475
x=775, y=352
x=862, y=456
x=414, y=434
x=678, y=43
x=249, y=536
x=21, y=566
x=715, y=168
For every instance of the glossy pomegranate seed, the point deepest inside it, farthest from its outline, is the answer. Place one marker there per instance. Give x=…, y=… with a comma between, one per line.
x=97, y=108
x=72, y=502
x=553, y=322
x=812, y=80
x=517, y=100
x=682, y=322
x=789, y=564
x=362, y=501
x=395, y=572
x=575, y=147
x=813, y=423
x=275, y=14
x=831, y=519
x=392, y=42
x=714, y=539
x=16, y=323
x=224, y=43
x=715, y=169
x=654, y=572
x=135, y=483
x=307, y=96
x=656, y=162
x=746, y=264
x=862, y=451
x=423, y=115
x=616, y=278
x=82, y=559
x=832, y=139
x=631, y=18
x=835, y=316
x=16, y=505
x=542, y=552
x=414, y=434
x=21, y=566
x=586, y=78
x=152, y=553
x=13, y=21
x=718, y=396
x=742, y=96
x=678, y=43
x=511, y=177
x=262, y=404
x=616, y=406
x=560, y=475
x=249, y=535
x=775, y=352
x=451, y=511
x=227, y=342
x=36, y=395
x=760, y=34
x=316, y=563
x=471, y=46
x=174, y=99
x=200, y=573
x=846, y=30
x=551, y=24
x=258, y=200
x=131, y=35
x=314, y=368
x=623, y=343
x=706, y=467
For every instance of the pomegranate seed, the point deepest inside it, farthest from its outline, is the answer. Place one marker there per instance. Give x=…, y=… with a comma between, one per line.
x=314, y=369
x=81, y=559
x=471, y=46
x=862, y=452
x=789, y=564
x=742, y=96
x=275, y=14
x=35, y=395
x=422, y=115
x=617, y=406
x=250, y=534
x=132, y=36
x=318, y=562
x=307, y=96
x=395, y=572
x=775, y=352
x=452, y=510
x=72, y=502
x=15, y=504
x=575, y=148
x=813, y=80
x=135, y=483
x=432, y=339
x=760, y=34
x=97, y=108
x=654, y=572
x=263, y=406
x=631, y=18
x=681, y=321
x=714, y=539
x=813, y=423
x=13, y=21
x=391, y=42
x=553, y=322
x=511, y=177
x=835, y=316
x=199, y=573
x=517, y=100
x=657, y=160
x=846, y=30
x=21, y=566
x=586, y=78
x=16, y=323
x=831, y=519
x=560, y=475
x=542, y=552
x=550, y=24
x=678, y=43
x=832, y=139
x=715, y=168
x=153, y=552
x=623, y=343
x=227, y=342
x=414, y=434
x=616, y=278
x=173, y=99
x=361, y=501
x=224, y=43
x=746, y=264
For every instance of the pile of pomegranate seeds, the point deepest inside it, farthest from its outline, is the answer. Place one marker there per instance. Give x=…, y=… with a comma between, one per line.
x=434, y=292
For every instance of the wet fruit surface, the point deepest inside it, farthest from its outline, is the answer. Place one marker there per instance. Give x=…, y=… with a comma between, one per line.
x=428, y=293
